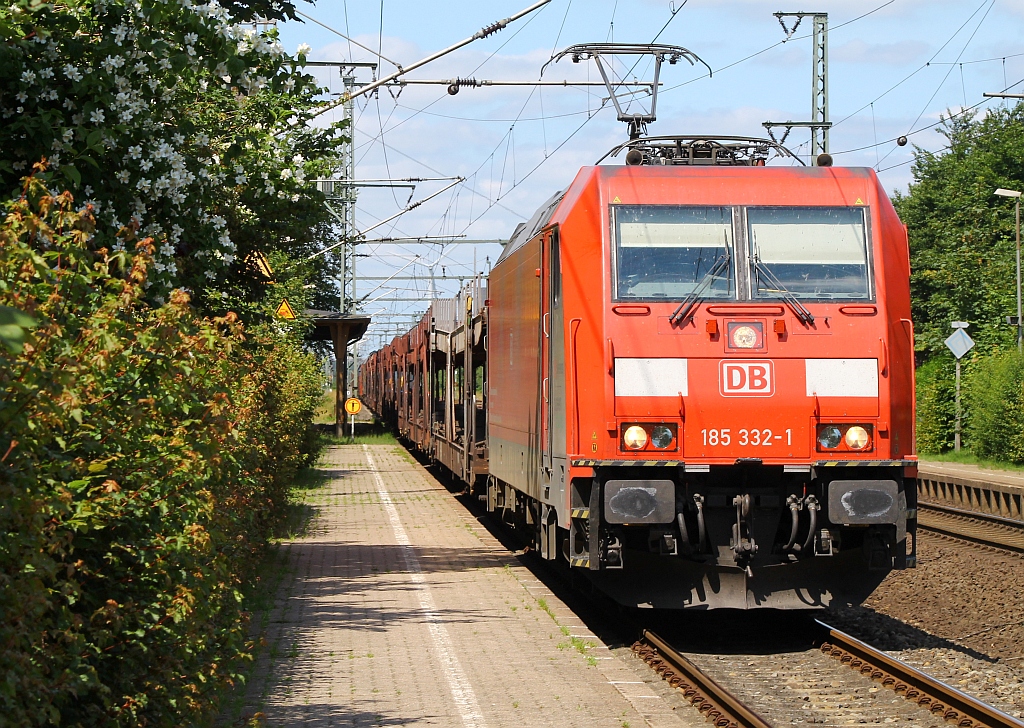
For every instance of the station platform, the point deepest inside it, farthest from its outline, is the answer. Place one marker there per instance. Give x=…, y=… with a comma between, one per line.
x=399, y=608
x=972, y=474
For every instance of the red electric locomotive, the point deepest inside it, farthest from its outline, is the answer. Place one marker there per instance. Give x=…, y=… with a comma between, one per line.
x=699, y=380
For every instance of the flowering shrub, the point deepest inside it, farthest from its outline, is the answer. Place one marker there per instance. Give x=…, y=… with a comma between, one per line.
x=169, y=116
x=142, y=453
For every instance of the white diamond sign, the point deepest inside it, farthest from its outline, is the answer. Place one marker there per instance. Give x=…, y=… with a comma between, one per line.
x=959, y=343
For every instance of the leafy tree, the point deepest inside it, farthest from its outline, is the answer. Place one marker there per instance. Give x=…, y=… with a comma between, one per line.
x=170, y=118
x=961, y=235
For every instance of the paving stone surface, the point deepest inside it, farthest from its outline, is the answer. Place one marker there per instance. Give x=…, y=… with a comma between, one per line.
x=401, y=609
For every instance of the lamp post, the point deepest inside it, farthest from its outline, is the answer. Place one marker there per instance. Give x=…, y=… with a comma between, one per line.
x=1016, y=203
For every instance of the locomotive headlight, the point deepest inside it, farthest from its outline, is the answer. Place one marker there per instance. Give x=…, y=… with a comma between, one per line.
x=829, y=437
x=857, y=438
x=635, y=437
x=661, y=437
x=744, y=337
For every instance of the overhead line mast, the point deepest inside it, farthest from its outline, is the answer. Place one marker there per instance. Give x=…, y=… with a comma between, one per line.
x=819, y=123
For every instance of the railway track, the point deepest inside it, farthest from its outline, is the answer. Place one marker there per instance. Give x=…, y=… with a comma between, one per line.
x=727, y=709
x=983, y=528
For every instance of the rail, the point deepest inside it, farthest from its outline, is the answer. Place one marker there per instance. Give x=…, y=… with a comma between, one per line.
x=718, y=705
x=967, y=502
x=935, y=696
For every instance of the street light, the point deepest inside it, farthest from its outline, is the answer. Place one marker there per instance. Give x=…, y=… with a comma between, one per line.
x=1016, y=203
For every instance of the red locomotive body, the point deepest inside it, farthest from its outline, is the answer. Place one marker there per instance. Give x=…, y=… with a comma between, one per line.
x=699, y=384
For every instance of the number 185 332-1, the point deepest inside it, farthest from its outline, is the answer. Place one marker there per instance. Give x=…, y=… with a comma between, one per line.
x=744, y=437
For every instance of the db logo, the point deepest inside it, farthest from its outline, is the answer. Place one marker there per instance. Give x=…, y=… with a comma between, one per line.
x=746, y=378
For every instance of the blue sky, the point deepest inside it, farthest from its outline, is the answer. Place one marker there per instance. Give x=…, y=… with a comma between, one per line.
x=518, y=146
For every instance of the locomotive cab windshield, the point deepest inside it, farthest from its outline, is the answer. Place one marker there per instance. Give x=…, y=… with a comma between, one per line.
x=668, y=252
x=814, y=252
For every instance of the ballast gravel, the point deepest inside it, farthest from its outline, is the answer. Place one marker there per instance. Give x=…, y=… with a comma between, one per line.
x=959, y=616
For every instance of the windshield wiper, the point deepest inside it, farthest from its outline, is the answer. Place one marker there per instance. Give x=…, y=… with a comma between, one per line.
x=695, y=296
x=805, y=316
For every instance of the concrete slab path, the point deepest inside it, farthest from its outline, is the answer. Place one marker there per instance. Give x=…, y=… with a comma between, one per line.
x=401, y=609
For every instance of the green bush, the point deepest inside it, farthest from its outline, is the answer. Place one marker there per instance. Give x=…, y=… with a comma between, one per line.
x=994, y=394
x=936, y=405
x=144, y=453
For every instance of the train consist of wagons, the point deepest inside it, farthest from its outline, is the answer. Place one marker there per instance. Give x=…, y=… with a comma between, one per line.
x=691, y=376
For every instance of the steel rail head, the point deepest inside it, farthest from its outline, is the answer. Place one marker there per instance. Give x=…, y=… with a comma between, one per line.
x=934, y=695
x=714, y=701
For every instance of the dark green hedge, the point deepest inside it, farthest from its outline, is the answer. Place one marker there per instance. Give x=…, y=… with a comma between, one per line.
x=144, y=453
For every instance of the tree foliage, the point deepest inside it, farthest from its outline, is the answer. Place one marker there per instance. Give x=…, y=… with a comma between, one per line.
x=145, y=451
x=154, y=155
x=962, y=237
x=963, y=261
x=170, y=117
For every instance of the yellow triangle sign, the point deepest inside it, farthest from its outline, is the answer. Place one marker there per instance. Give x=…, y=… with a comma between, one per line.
x=616, y=199
x=285, y=310
x=859, y=201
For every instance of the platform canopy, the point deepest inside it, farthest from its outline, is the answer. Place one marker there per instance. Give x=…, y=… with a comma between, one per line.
x=341, y=329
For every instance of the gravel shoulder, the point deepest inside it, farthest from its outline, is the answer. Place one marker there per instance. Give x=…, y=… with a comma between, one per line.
x=959, y=616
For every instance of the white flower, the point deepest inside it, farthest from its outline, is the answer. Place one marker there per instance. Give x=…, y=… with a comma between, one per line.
x=145, y=165
x=21, y=96
x=144, y=185
x=68, y=103
x=211, y=275
x=88, y=190
x=28, y=76
x=167, y=249
x=97, y=116
x=68, y=134
x=202, y=139
x=286, y=173
x=240, y=179
x=57, y=145
x=78, y=119
x=120, y=32
x=229, y=259
x=123, y=176
x=46, y=73
x=141, y=67
x=178, y=139
x=298, y=159
x=191, y=38
x=135, y=152
x=304, y=49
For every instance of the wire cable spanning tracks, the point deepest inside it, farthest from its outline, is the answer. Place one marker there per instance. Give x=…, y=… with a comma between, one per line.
x=954, y=706
x=718, y=705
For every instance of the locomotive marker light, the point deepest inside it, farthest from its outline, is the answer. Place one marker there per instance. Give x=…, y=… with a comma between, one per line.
x=1016, y=206
x=959, y=343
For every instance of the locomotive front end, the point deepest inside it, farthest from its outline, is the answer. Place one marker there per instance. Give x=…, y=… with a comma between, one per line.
x=739, y=406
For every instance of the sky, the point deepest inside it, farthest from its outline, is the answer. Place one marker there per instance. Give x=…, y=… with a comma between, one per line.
x=895, y=66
